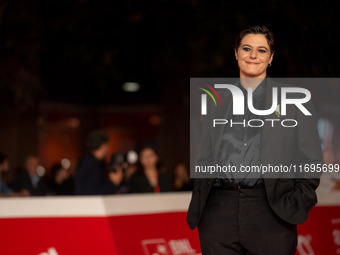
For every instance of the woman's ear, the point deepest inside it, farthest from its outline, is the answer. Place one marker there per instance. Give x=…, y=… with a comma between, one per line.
x=236, y=56
x=271, y=57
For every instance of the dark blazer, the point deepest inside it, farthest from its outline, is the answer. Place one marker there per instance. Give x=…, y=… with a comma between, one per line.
x=90, y=178
x=140, y=184
x=63, y=189
x=24, y=182
x=291, y=199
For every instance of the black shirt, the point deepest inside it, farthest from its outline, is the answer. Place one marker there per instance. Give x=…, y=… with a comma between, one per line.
x=91, y=180
x=240, y=143
x=139, y=183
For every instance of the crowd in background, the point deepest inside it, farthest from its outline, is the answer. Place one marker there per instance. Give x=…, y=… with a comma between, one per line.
x=124, y=173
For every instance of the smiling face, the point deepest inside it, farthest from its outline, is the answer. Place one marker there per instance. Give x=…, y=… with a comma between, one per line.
x=148, y=158
x=253, y=56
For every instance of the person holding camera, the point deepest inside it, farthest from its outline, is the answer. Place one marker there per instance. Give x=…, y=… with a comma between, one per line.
x=90, y=176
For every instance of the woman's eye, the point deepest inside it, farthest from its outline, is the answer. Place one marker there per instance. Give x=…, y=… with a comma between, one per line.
x=262, y=51
x=246, y=49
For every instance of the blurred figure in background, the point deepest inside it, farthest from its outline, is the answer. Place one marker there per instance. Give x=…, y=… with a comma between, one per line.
x=182, y=181
x=148, y=178
x=28, y=179
x=90, y=176
x=61, y=182
x=117, y=167
x=4, y=168
x=5, y=191
x=131, y=169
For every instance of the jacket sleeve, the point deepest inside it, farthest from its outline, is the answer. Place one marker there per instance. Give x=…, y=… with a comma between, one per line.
x=310, y=155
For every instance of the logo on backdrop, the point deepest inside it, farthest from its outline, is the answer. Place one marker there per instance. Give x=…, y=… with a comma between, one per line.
x=336, y=234
x=50, y=251
x=304, y=246
x=171, y=247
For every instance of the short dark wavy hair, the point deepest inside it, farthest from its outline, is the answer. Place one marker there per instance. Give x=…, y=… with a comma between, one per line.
x=255, y=29
x=95, y=139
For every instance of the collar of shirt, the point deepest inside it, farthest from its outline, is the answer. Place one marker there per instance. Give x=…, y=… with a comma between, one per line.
x=258, y=93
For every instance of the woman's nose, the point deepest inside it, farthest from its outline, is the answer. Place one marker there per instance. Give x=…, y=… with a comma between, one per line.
x=253, y=54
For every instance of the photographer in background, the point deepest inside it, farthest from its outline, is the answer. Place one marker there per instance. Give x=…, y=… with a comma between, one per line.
x=90, y=176
x=61, y=183
x=117, y=169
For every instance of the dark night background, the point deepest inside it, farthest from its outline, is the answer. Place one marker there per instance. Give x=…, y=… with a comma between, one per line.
x=56, y=56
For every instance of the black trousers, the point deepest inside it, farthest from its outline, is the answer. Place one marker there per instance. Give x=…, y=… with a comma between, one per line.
x=241, y=222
